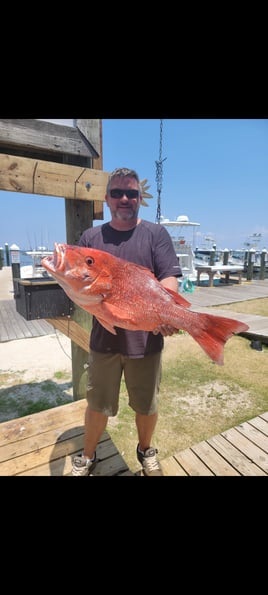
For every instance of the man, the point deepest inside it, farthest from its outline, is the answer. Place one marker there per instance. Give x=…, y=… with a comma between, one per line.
x=137, y=354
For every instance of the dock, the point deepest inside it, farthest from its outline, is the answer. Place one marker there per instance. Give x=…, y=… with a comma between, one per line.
x=43, y=444
x=239, y=451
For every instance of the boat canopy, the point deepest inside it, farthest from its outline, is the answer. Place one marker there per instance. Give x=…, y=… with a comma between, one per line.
x=181, y=221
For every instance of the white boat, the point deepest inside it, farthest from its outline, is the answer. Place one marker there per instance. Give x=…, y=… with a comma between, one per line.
x=185, y=247
x=35, y=269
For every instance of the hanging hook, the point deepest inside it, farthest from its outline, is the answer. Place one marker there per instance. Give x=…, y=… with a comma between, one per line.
x=159, y=174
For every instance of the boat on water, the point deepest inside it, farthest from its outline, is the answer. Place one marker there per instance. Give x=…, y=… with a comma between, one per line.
x=35, y=269
x=193, y=257
x=185, y=247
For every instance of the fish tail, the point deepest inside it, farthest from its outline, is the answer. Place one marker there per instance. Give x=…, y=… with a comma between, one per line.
x=212, y=332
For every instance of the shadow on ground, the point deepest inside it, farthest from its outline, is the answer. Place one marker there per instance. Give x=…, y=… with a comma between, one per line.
x=19, y=400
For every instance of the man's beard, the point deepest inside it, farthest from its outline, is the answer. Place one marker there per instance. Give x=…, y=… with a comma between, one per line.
x=125, y=216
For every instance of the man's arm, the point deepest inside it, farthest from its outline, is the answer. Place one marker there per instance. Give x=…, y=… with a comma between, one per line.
x=170, y=283
x=164, y=329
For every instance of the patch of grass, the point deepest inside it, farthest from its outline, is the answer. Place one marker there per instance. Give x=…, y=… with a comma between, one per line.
x=25, y=399
x=60, y=375
x=198, y=398
x=259, y=307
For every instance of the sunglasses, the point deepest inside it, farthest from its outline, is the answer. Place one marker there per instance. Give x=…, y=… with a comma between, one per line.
x=119, y=193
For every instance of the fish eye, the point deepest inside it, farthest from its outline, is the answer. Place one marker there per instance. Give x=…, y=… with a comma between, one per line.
x=89, y=260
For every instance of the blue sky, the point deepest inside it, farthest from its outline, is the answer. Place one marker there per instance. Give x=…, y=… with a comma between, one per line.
x=215, y=171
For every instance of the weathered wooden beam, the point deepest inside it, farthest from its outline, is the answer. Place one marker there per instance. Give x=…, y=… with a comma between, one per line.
x=98, y=164
x=34, y=135
x=91, y=130
x=19, y=174
x=71, y=329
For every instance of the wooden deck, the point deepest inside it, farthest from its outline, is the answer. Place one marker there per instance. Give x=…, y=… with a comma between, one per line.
x=13, y=326
x=242, y=450
x=43, y=444
x=228, y=294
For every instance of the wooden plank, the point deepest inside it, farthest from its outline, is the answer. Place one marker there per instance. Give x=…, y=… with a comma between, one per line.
x=91, y=130
x=216, y=463
x=14, y=326
x=264, y=416
x=48, y=137
x=4, y=328
x=234, y=456
x=254, y=453
x=7, y=325
x=58, y=467
x=54, y=436
x=17, y=323
x=45, y=442
x=113, y=466
x=40, y=456
x=15, y=430
x=253, y=434
x=43, y=449
x=32, y=176
x=191, y=463
x=260, y=424
x=224, y=294
x=171, y=467
x=71, y=329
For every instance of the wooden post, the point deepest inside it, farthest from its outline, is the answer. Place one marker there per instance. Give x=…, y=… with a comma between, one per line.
x=7, y=255
x=263, y=264
x=79, y=216
x=15, y=264
x=212, y=257
x=1, y=258
x=225, y=256
x=251, y=254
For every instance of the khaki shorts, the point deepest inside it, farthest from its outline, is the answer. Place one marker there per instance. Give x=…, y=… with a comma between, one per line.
x=142, y=378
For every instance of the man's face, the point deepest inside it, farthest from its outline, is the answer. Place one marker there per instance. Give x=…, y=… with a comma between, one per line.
x=124, y=206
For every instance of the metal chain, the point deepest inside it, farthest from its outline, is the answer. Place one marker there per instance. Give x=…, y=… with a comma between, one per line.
x=159, y=175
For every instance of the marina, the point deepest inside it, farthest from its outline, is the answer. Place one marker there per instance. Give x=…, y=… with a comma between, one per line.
x=43, y=159
x=207, y=265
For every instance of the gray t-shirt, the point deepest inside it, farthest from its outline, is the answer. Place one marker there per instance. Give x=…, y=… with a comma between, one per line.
x=149, y=245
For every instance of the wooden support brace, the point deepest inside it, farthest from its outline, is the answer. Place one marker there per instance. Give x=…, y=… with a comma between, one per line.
x=71, y=329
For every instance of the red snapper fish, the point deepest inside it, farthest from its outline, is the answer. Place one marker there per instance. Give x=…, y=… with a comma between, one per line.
x=123, y=294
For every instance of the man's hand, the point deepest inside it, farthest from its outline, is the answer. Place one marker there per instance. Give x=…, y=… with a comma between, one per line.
x=166, y=330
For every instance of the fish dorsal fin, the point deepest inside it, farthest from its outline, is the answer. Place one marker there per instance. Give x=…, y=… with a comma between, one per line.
x=178, y=298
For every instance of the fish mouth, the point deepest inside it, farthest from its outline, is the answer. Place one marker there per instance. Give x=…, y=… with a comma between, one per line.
x=55, y=262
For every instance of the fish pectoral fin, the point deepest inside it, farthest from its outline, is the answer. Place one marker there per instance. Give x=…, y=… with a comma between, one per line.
x=118, y=314
x=106, y=325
